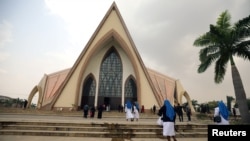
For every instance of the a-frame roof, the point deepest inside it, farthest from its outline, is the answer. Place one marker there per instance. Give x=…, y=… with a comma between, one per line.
x=111, y=32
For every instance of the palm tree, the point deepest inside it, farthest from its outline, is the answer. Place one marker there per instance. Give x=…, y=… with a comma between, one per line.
x=220, y=45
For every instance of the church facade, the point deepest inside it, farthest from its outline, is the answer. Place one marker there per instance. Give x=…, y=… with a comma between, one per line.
x=108, y=71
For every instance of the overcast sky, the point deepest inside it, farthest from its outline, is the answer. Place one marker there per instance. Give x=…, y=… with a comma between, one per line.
x=40, y=37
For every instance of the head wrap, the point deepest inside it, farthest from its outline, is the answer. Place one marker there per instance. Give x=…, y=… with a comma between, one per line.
x=128, y=104
x=169, y=110
x=223, y=110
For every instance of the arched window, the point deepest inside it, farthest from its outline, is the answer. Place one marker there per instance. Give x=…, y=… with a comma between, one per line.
x=89, y=87
x=110, y=79
x=130, y=89
x=88, y=93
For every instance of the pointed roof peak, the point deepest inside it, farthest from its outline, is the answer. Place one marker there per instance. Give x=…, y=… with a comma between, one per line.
x=113, y=6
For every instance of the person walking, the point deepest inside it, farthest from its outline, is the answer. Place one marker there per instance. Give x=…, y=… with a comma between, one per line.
x=100, y=110
x=120, y=108
x=25, y=104
x=179, y=112
x=128, y=110
x=168, y=117
x=142, y=109
x=188, y=112
x=234, y=113
x=92, y=112
x=136, y=111
x=154, y=109
x=85, y=110
x=222, y=111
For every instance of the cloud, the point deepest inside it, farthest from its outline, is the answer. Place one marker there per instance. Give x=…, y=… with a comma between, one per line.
x=5, y=37
x=5, y=33
x=76, y=14
x=63, y=59
x=3, y=56
x=2, y=71
x=163, y=32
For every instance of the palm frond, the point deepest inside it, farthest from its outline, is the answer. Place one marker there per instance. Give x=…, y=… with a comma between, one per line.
x=209, y=52
x=242, y=29
x=203, y=66
x=220, y=69
x=218, y=35
x=243, y=50
x=223, y=21
x=206, y=59
x=203, y=40
x=243, y=23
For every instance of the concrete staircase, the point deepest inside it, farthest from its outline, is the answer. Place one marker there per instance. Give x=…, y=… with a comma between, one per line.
x=98, y=130
x=71, y=124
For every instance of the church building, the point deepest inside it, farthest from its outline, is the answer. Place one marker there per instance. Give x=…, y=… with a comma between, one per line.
x=108, y=71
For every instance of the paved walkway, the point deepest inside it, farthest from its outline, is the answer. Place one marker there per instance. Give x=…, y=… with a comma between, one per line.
x=78, y=119
x=55, y=138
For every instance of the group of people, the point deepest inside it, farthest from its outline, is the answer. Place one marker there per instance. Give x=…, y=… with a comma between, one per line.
x=179, y=110
x=91, y=111
x=167, y=113
x=132, y=111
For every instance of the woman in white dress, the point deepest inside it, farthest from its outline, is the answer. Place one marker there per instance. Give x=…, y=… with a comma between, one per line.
x=128, y=110
x=168, y=117
x=222, y=111
x=136, y=111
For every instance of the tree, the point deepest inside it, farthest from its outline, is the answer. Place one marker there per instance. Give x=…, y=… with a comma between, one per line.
x=194, y=102
x=220, y=44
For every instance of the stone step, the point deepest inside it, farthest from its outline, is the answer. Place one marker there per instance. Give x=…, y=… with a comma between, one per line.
x=97, y=129
x=100, y=134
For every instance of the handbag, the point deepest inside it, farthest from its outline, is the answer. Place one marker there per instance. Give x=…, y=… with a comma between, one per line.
x=159, y=121
x=217, y=119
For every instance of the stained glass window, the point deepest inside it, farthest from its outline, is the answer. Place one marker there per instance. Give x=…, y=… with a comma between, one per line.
x=111, y=75
x=130, y=89
x=89, y=89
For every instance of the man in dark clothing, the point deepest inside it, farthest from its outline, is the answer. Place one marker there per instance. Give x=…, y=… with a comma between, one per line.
x=85, y=110
x=154, y=109
x=188, y=112
x=25, y=104
x=234, y=113
x=179, y=112
x=100, y=110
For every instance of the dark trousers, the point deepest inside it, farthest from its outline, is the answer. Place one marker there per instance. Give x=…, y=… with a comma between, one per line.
x=180, y=117
x=99, y=114
x=189, y=117
x=85, y=113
